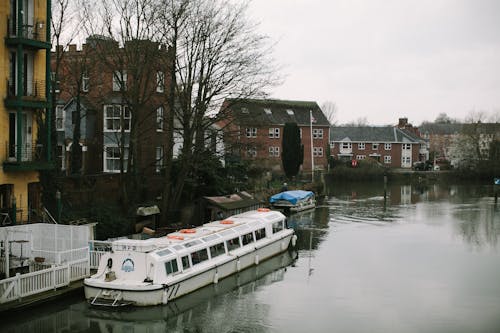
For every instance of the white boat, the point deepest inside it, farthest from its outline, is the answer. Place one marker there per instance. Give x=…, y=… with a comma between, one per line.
x=159, y=270
x=293, y=201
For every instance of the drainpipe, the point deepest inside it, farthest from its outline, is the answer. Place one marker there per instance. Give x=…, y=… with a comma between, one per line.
x=48, y=91
x=20, y=81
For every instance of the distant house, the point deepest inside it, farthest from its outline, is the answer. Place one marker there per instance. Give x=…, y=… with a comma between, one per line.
x=220, y=207
x=253, y=130
x=391, y=146
x=440, y=137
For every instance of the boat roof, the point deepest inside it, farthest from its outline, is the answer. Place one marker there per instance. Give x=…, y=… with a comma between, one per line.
x=291, y=196
x=208, y=232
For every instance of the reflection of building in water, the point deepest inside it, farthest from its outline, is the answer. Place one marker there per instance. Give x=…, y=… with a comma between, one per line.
x=406, y=195
x=209, y=302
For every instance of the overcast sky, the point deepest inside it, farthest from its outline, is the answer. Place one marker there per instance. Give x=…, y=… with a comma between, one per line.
x=385, y=59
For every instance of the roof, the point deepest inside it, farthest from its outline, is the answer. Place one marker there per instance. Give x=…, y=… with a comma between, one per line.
x=276, y=112
x=233, y=201
x=440, y=129
x=371, y=134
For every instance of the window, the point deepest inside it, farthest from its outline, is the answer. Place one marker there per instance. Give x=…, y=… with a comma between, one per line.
x=268, y=111
x=244, y=110
x=318, y=151
x=119, y=80
x=361, y=146
x=406, y=146
x=185, y=262
x=290, y=112
x=374, y=146
x=171, y=267
x=60, y=156
x=274, y=133
x=251, y=152
x=112, y=118
x=247, y=239
x=233, y=244
x=159, y=119
x=160, y=82
x=277, y=226
x=112, y=159
x=360, y=157
x=317, y=133
x=55, y=83
x=300, y=131
x=406, y=160
x=332, y=144
x=159, y=159
x=347, y=145
x=274, y=151
x=199, y=256
x=387, y=159
x=260, y=233
x=251, y=132
x=387, y=146
x=60, y=118
x=217, y=250
x=85, y=82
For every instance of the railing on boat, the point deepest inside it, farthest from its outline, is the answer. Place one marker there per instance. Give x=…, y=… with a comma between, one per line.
x=96, y=250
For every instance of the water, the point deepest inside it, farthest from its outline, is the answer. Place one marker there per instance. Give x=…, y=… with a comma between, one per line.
x=425, y=259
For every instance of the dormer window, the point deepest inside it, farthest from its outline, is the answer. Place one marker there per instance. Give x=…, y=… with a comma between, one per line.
x=268, y=111
x=290, y=112
x=244, y=110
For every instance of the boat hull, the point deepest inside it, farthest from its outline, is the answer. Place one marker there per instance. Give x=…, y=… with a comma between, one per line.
x=100, y=293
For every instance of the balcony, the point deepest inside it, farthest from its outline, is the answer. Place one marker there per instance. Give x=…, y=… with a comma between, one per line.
x=33, y=36
x=33, y=95
x=33, y=157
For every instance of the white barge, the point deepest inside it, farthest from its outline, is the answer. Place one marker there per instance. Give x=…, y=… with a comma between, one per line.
x=158, y=270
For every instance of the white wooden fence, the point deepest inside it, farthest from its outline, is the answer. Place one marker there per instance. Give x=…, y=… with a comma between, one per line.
x=23, y=285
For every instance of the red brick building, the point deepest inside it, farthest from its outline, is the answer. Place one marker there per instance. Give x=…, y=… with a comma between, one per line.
x=254, y=131
x=104, y=93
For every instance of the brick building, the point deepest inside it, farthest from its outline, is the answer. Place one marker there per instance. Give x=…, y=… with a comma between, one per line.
x=112, y=104
x=254, y=131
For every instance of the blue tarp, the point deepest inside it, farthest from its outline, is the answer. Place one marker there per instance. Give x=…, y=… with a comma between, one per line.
x=291, y=196
x=497, y=181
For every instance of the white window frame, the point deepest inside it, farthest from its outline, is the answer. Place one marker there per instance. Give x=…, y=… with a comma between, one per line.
x=117, y=77
x=274, y=151
x=85, y=82
x=56, y=84
x=160, y=81
x=62, y=150
x=332, y=144
x=116, y=117
x=317, y=151
x=387, y=159
x=361, y=146
x=360, y=157
x=114, y=158
x=252, y=152
x=317, y=133
x=387, y=146
x=375, y=146
x=251, y=132
x=60, y=117
x=274, y=132
x=406, y=146
x=346, y=145
x=160, y=112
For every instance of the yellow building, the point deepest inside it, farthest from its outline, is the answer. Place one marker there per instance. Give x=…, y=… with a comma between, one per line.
x=24, y=91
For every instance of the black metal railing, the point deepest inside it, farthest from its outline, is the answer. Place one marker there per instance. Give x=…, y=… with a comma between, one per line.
x=34, y=88
x=30, y=152
x=36, y=31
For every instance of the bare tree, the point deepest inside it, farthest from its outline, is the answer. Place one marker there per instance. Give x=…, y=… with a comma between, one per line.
x=330, y=110
x=218, y=54
x=361, y=121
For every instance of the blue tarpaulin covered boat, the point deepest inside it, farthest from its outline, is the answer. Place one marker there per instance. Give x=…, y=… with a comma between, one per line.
x=295, y=201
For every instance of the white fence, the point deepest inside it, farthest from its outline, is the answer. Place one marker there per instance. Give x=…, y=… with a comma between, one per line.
x=96, y=250
x=23, y=285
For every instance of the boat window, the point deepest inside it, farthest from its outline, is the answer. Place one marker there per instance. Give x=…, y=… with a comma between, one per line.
x=199, y=256
x=210, y=237
x=164, y=252
x=179, y=247
x=260, y=233
x=192, y=243
x=233, y=244
x=247, y=238
x=277, y=226
x=217, y=250
x=171, y=266
x=185, y=262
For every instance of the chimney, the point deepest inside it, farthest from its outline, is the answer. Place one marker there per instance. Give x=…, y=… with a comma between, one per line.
x=403, y=122
x=72, y=47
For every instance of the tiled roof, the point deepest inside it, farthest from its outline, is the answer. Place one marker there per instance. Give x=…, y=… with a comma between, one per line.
x=276, y=112
x=371, y=134
x=440, y=129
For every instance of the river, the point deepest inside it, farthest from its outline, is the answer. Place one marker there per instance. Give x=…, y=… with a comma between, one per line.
x=419, y=259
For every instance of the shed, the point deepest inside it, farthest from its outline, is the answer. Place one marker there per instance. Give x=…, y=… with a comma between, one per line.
x=217, y=208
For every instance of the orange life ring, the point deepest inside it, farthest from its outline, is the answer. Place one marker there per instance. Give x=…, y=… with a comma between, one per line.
x=188, y=231
x=226, y=222
x=175, y=237
x=263, y=210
